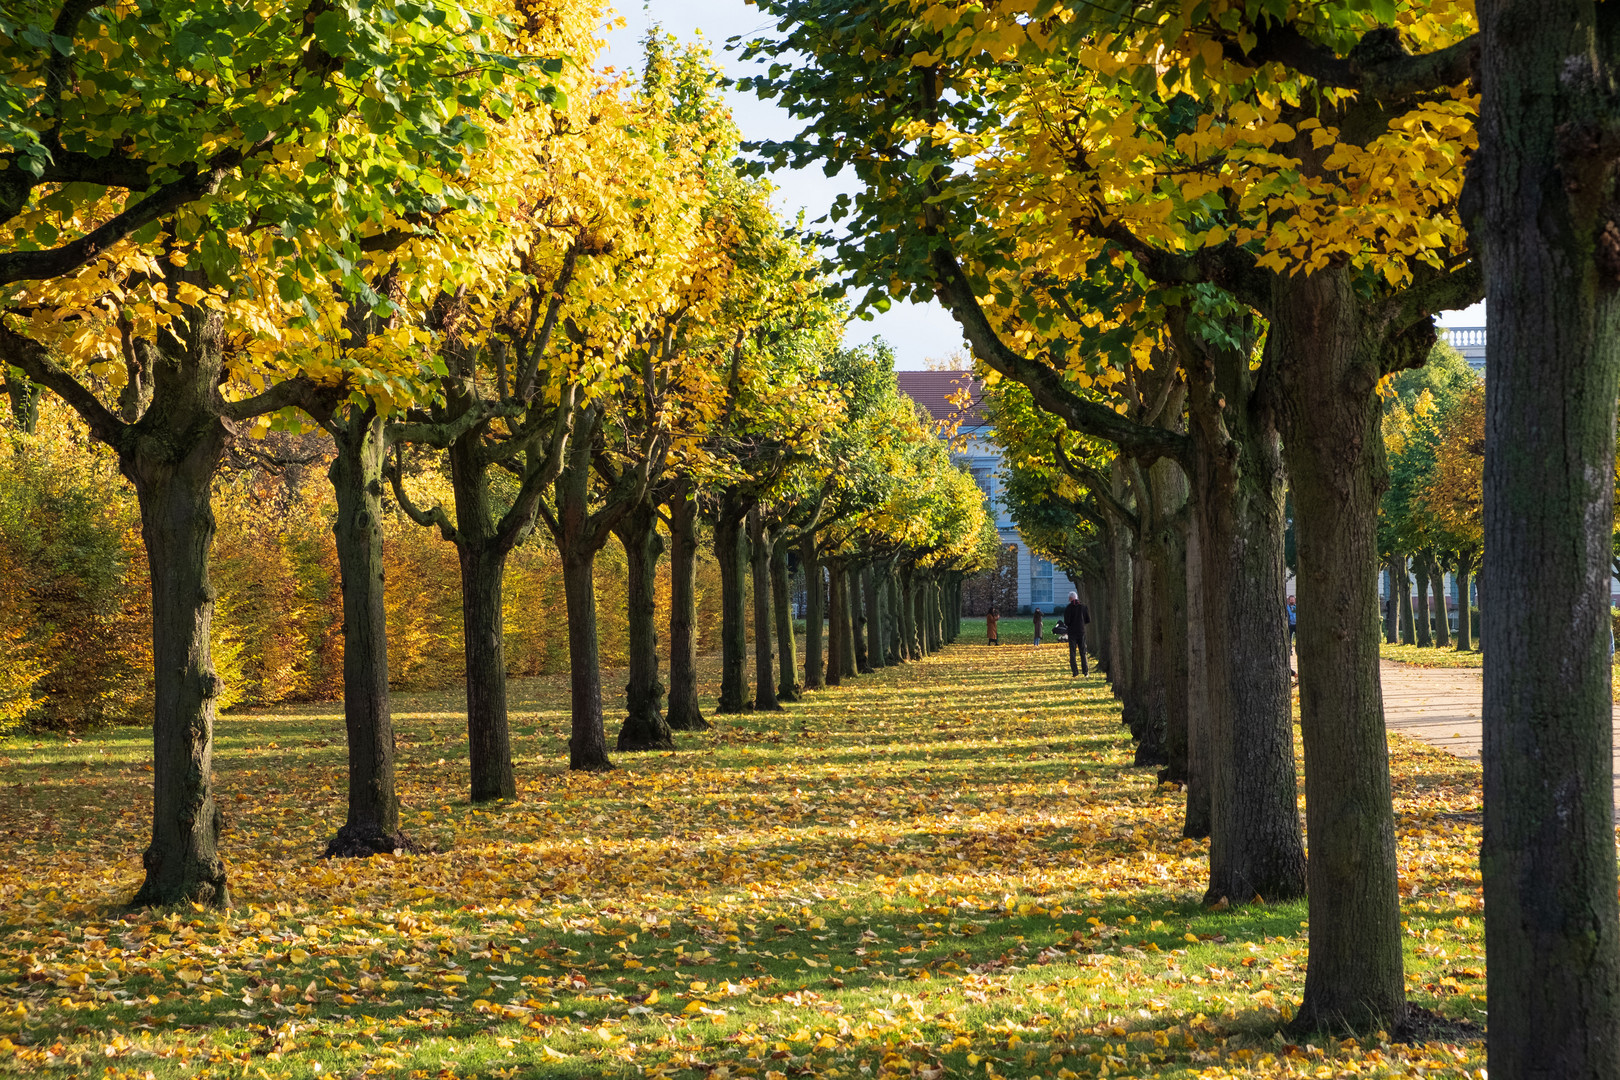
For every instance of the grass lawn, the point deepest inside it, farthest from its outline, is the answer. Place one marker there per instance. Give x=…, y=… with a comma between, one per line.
x=1446, y=657
x=947, y=869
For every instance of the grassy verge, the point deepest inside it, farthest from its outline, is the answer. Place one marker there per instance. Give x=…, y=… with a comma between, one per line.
x=947, y=869
x=1447, y=657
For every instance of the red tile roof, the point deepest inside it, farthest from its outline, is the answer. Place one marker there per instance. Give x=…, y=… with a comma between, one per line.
x=933, y=390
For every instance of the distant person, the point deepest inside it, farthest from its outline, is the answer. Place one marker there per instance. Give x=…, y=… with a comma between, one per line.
x=1037, y=612
x=1293, y=622
x=1075, y=617
x=990, y=625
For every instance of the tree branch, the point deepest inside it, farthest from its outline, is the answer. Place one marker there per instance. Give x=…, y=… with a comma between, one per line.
x=1379, y=68
x=1045, y=384
x=29, y=355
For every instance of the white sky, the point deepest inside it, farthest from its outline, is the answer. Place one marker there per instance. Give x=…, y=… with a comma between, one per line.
x=917, y=332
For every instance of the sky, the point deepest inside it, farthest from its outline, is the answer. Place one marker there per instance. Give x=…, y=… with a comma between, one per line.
x=917, y=332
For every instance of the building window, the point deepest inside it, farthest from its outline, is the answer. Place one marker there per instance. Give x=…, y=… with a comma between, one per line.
x=986, y=481
x=1040, y=581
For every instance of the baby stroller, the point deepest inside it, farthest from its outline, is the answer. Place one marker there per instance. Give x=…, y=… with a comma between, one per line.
x=1060, y=631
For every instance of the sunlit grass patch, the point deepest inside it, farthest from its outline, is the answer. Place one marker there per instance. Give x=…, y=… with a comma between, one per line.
x=1447, y=656
x=945, y=869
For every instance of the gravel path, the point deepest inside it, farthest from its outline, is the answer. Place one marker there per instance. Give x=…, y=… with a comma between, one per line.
x=1441, y=706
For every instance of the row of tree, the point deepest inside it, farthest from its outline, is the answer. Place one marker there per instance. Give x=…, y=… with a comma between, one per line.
x=1201, y=236
x=1431, y=520
x=503, y=289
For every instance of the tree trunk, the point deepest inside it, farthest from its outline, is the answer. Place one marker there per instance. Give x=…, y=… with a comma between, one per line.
x=1196, y=822
x=1170, y=632
x=1391, y=604
x=489, y=742
x=1118, y=584
x=1097, y=595
x=1548, y=232
x=874, y=618
x=728, y=539
x=1404, y=600
x=787, y=687
x=1137, y=711
x=372, y=825
x=836, y=622
x=759, y=560
x=892, y=605
x=644, y=726
x=1256, y=848
x=174, y=485
x=861, y=623
x=1465, y=630
x=1420, y=609
x=1329, y=356
x=919, y=622
x=587, y=740
x=1442, y=626
x=684, y=713
x=815, y=591
x=848, y=626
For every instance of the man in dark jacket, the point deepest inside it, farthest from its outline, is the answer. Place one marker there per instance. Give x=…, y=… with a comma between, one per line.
x=1075, y=617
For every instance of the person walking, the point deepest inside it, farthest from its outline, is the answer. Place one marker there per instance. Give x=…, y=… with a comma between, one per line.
x=1293, y=622
x=992, y=618
x=1037, y=612
x=1075, y=617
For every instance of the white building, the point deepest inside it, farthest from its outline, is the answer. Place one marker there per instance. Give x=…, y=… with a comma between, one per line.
x=1040, y=584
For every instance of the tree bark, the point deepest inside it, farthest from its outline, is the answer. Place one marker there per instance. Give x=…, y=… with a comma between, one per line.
x=372, y=825
x=1442, y=628
x=578, y=539
x=787, y=687
x=896, y=612
x=734, y=697
x=644, y=726
x=489, y=742
x=1420, y=609
x=759, y=561
x=848, y=627
x=1170, y=618
x=482, y=558
x=1195, y=823
x=1404, y=601
x=815, y=592
x=1465, y=629
x=836, y=623
x=1118, y=584
x=587, y=740
x=1256, y=848
x=1329, y=355
x=684, y=713
x=860, y=622
x=1549, y=229
x=174, y=483
x=874, y=617
x=919, y=622
x=1391, y=604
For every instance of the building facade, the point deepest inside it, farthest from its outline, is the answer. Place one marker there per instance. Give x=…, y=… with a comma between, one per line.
x=954, y=400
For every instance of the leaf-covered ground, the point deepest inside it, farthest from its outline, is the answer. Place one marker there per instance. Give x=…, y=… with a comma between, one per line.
x=1431, y=657
x=947, y=869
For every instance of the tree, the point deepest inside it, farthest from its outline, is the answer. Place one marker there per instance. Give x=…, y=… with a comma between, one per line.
x=1125, y=177
x=1549, y=142
x=186, y=155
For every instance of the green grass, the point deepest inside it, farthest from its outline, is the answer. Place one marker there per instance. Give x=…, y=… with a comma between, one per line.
x=1447, y=657
x=944, y=866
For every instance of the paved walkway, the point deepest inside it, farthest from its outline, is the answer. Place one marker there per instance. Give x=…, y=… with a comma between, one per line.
x=1441, y=706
